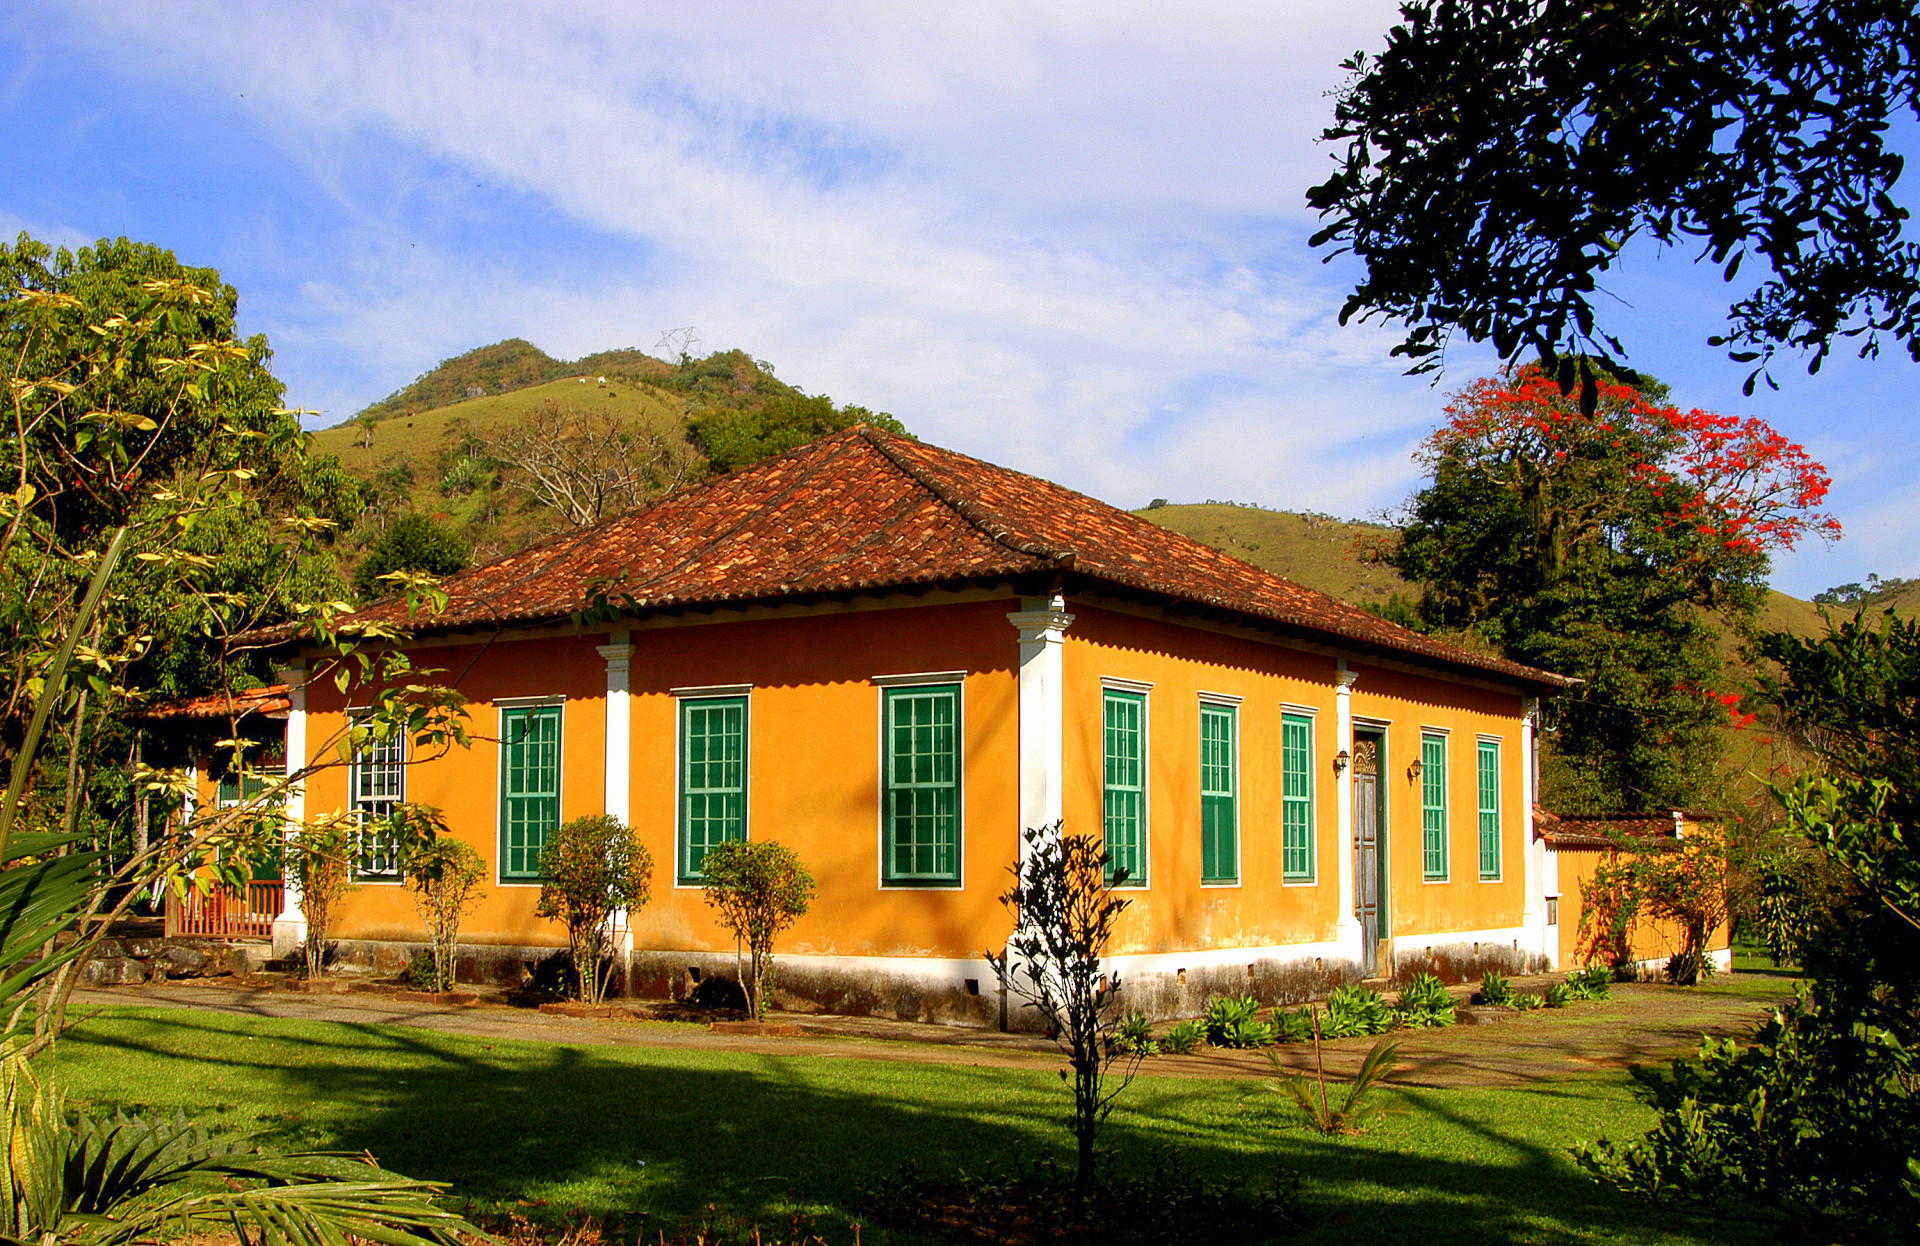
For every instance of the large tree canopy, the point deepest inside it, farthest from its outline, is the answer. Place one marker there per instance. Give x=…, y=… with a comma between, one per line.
x=1596, y=546
x=1499, y=155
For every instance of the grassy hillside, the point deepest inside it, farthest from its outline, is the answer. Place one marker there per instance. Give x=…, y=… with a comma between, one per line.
x=420, y=434
x=1315, y=550
x=503, y=368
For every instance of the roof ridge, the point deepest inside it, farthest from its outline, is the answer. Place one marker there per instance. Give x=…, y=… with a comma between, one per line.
x=968, y=510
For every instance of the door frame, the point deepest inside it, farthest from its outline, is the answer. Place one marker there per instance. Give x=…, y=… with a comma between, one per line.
x=1382, y=838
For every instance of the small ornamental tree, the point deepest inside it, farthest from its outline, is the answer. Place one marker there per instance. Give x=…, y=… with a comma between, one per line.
x=319, y=858
x=1609, y=906
x=443, y=875
x=759, y=889
x=1686, y=886
x=591, y=867
x=1064, y=913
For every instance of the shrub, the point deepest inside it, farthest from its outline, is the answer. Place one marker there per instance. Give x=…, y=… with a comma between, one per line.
x=421, y=974
x=318, y=859
x=1424, y=1003
x=1355, y=1011
x=1183, y=1038
x=1557, y=995
x=1134, y=1035
x=591, y=867
x=760, y=889
x=1818, y=1117
x=1527, y=1001
x=1226, y=1014
x=443, y=875
x=412, y=542
x=1292, y=1027
x=1496, y=990
x=1593, y=982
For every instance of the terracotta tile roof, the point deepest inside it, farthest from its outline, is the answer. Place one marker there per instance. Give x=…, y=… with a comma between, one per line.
x=863, y=510
x=269, y=702
x=1604, y=830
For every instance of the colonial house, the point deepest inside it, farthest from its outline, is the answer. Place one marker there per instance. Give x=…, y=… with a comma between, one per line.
x=891, y=658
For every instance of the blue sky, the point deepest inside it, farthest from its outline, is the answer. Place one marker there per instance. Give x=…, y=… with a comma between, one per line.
x=1067, y=238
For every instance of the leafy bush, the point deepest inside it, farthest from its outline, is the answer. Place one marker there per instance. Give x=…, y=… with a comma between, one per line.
x=1248, y=1035
x=1424, y=1004
x=412, y=542
x=1031, y=1205
x=1183, y=1038
x=590, y=867
x=1593, y=982
x=1819, y=1117
x=1226, y=1014
x=1496, y=990
x=1292, y=1027
x=1557, y=995
x=1134, y=1035
x=420, y=973
x=1527, y=1001
x=1355, y=1011
x=444, y=876
x=760, y=889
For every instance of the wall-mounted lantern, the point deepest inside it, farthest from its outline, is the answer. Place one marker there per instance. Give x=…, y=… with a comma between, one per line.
x=1414, y=770
x=1340, y=760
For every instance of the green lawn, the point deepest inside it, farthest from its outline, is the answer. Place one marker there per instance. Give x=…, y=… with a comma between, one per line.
x=606, y=1130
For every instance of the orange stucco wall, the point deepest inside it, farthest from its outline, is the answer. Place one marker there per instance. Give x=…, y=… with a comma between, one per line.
x=1174, y=912
x=813, y=741
x=1410, y=705
x=1650, y=940
x=814, y=784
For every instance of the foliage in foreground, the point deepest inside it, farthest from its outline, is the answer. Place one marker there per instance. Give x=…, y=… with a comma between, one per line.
x=1064, y=913
x=1039, y=1204
x=1817, y=1119
x=1315, y=1102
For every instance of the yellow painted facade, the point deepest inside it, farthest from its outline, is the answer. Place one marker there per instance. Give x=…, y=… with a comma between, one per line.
x=814, y=682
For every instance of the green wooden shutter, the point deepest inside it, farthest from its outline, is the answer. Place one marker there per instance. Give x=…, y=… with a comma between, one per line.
x=1296, y=797
x=713, y=778
x=1489, y=770
x=922, y=773
x=529, y=786
x=1219, y=791
x=1124, y=777
x=1433, y=805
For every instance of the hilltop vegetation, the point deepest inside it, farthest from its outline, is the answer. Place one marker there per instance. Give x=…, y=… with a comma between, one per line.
x=502, y=368
x=543, y=443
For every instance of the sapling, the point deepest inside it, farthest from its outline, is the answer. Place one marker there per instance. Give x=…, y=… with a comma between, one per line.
x=760, y=889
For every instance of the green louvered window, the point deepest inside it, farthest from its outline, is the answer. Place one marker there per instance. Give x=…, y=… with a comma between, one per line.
x=922, y=775
x=1489, y=775
x=529, y=786
x=1124, y=770
x=713, y=778
x=1296, y=797
x=1219, y=795
x=1433, y=805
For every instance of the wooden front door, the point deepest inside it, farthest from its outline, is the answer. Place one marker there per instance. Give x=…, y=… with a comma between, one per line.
x=1368, y=850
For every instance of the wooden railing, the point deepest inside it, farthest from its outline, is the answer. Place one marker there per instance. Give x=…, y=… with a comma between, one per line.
x=222, y=914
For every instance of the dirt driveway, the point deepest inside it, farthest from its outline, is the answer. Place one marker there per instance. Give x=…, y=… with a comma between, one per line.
x=1641, y=1024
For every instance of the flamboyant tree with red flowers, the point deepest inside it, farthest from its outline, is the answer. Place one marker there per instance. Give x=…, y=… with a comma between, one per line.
x=1612, y=547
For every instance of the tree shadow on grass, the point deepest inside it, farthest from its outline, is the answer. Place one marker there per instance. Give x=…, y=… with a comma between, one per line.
x=615, y=1131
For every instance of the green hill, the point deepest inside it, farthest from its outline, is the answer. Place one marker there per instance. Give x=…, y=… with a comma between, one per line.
x=503, y=368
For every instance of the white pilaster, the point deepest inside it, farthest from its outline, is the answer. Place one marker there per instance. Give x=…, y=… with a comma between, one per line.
x=1043, y=624
x=619, y=762
x=619, y=759
x=290, y=928
x=1533, y=918
x=1347, y=933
